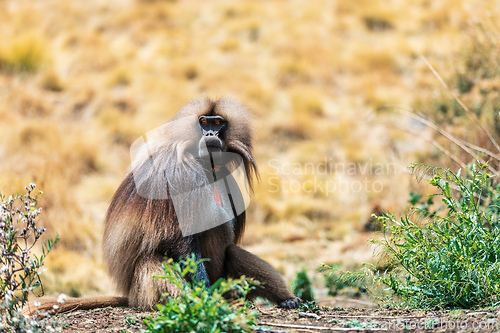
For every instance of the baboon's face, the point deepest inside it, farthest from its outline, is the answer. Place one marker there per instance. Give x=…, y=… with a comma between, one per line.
x=213, y=130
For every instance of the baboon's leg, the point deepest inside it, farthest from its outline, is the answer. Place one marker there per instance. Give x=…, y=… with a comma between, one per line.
x=239, y=262
x=146, y=291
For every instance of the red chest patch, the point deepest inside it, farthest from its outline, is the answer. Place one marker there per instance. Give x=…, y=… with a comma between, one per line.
x=217, y=196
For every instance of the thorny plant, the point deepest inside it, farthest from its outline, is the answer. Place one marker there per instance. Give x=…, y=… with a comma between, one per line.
x=20, y=269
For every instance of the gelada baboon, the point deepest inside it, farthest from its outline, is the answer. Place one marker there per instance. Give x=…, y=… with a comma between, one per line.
x=182, y=196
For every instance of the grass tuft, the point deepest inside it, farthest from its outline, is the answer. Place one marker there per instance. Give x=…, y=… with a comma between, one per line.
x=24, y=54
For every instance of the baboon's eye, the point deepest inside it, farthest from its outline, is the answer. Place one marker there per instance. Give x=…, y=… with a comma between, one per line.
x=203, y=121
x=217, y=122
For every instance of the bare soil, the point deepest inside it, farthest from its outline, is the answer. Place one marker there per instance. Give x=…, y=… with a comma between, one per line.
x=324, y=319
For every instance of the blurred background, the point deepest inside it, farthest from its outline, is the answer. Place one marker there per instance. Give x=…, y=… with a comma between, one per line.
x=336, y=88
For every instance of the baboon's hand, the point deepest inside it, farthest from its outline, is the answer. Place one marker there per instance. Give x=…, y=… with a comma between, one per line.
x=291, y=303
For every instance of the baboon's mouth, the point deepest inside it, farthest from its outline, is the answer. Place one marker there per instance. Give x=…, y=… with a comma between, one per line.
x=214, y=149
x=210, y=144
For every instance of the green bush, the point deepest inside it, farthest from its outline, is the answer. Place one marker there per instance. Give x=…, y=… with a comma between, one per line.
x=19, y=268
x=309, y=306
x=198, y=309
x=448, y=257
x=301, y=286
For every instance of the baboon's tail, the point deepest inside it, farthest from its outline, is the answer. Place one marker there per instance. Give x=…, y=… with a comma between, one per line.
x=52, y=306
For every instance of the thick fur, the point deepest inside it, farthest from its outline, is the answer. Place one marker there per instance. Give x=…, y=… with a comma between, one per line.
x=140, y=232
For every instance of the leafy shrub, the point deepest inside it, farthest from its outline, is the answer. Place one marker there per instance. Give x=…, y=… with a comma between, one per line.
x=301, y=286
x=19, y=268
x=198, y=309
x=449, y=257
x=309, y=306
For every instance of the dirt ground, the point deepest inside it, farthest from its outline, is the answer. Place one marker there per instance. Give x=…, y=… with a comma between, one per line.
x=322, y=319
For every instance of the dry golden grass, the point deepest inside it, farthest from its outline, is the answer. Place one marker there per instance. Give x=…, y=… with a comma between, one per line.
x=80, y=81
